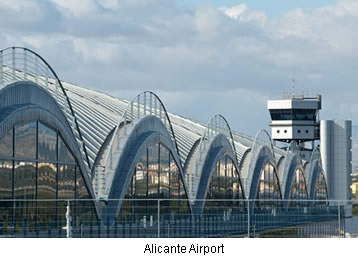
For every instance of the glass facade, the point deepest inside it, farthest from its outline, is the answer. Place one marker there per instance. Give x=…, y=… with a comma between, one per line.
x=225, y=184
x=156, y=176
x=26, y=140
x=320, y=190
x=293, y=114
x=6, y=145
x=38, y=171
x=268, y=188
x=6, y=193
x=298, y=191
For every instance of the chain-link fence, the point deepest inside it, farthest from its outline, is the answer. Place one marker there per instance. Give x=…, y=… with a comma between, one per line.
x=173, y=218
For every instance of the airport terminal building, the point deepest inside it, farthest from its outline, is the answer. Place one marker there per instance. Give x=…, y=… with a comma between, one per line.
x=60, y=141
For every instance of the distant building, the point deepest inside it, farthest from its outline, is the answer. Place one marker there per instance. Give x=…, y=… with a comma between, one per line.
x=354, y=187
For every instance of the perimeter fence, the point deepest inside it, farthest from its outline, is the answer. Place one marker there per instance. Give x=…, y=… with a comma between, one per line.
x=152, y=218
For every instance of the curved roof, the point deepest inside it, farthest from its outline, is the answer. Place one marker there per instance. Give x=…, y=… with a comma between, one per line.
x=97, y=114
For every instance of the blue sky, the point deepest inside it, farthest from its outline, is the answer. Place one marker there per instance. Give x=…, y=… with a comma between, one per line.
x=199, y=58
x=273, y=8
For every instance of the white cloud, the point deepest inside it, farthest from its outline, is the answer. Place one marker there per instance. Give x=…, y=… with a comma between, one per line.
x=154, y=45
x=243, y=14
x=76, y=8
x=96, y=51
x=235, y=12
x=18, y=5
x=109, y=4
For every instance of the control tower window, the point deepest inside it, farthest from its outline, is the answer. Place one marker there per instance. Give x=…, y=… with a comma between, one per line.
x=293, y=114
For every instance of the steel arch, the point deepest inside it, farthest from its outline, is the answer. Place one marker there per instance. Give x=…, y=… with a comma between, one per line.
x=32, y=68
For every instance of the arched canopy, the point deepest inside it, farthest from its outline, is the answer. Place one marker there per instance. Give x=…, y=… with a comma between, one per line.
x=217, y=133
x=261, y=152
x=219, y=153
x=225, y=184
x=22, y=64
x=145, y=104
x=25, y=101
x=293, y=180
x=318, y=189
x=145, y=133
x=268, y=187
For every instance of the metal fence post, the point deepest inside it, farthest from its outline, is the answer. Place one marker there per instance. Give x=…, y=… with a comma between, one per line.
x=25, y=64
x=339, y=219
x=68, y=221
x=158, y=218
x=13, y=64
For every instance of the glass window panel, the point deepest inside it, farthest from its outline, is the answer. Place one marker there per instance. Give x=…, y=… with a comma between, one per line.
x=164, y=158
x=25, y=140
x=164, y=185
x=142, y=162
x=236, y=188
x=47, y=143
x=229, y=167
x=174, y=193
x=25, y=191
x=222, y=166
x=173, y=165
x=46, y=184
x=164, y=192
x=153, y=185
x=222, y=187
x=174, y=185
x=6, y=207
x=141, y=184
x=25, y=180
x=6, y=180
x=229, y=189
x=46, y=181
x=153, y=157
x=66, y=182
x=64, y=154
x=216, y=187
x=6, y=145
x=140, y=193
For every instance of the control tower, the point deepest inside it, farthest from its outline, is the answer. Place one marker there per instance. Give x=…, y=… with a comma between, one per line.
x=295, y=120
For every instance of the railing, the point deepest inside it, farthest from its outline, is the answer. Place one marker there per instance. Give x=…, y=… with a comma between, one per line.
x=22, y=64
x=170, y=218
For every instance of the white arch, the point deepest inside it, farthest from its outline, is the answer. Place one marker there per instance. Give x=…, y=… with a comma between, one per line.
x=22, y=64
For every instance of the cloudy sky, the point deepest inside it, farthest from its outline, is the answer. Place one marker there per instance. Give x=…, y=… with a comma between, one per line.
x=200, y=57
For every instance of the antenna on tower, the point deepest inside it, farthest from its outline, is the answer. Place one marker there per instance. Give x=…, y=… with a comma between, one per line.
x=293, y=88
